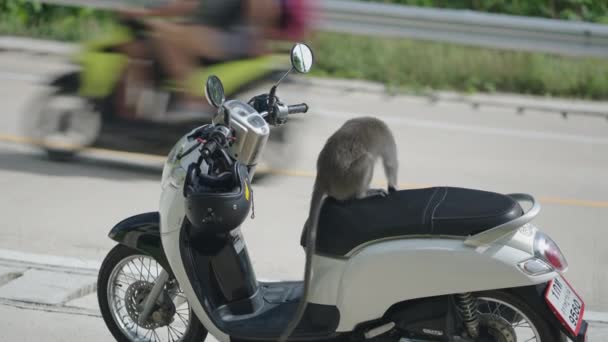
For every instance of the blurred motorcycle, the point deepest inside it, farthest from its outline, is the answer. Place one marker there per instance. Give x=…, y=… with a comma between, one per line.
x=87, y=107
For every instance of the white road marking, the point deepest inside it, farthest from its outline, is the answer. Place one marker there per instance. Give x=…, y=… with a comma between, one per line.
x=477, y=129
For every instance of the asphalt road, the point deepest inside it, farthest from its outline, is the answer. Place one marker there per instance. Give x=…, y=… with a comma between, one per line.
x=67, y=208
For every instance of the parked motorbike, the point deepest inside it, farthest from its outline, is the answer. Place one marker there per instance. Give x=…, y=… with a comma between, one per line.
x=88, y=107
x=434, y=264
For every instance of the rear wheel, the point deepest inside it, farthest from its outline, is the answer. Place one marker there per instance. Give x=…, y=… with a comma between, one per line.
x=125, y=279
x=505, y=317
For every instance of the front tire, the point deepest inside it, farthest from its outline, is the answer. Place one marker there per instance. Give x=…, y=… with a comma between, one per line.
x=522, y=319
x=112, y=291
x=61, y=124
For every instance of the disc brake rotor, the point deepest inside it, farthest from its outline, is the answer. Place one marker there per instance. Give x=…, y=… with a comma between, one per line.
x=135, y=299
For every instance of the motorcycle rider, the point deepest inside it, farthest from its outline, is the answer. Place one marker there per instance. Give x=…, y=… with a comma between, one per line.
x=216, y=30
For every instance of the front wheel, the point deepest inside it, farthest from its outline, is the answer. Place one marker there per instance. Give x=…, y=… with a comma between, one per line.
x=125, y=279
x=61, y=124
x=505, y=317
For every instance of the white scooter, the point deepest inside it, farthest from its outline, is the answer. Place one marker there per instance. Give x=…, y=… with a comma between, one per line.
x=435, y=264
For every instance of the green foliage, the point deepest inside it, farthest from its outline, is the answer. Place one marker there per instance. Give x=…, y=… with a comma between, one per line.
x=31, y=18
x=587, y=10
x=417, y=65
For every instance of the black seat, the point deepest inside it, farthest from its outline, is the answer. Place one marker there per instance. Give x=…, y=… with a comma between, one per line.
x=344, y=225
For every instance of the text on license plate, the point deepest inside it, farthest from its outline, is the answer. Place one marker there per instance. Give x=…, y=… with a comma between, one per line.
x=565, y=303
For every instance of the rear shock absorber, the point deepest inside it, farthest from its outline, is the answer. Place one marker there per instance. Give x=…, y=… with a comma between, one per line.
x=467, y=304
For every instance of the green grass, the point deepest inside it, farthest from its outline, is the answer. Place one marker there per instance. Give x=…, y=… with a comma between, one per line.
x=67, y=29
x=33, y=19
x=417, y=65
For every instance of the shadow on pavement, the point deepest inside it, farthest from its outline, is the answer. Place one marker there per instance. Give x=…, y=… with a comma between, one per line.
x=83, y=166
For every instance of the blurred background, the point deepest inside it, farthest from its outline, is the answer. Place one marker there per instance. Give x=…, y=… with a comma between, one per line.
x=503, y=95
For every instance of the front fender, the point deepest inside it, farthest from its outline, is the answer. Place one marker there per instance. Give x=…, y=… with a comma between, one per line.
x=142, y=233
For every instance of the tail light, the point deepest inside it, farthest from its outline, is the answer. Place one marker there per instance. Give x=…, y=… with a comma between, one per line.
x=547, y=250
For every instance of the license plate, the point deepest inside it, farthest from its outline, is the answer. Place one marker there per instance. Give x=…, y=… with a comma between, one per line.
x=566, y=304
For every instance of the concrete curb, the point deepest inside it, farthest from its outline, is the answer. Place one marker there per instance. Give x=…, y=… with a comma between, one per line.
x=518, y=102
x=76, y=264
x=597, y=317
x=48, y=261
x=51, y=308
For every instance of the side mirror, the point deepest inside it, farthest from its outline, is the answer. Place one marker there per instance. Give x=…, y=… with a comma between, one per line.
x=301, y=58
x=214, y=91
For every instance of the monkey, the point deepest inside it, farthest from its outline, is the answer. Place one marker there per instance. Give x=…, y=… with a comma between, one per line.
x=345, y=165
x=345, y=168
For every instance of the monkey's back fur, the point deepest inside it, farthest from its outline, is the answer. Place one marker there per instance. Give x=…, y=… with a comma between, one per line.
x=345, y=166
x=346, y=162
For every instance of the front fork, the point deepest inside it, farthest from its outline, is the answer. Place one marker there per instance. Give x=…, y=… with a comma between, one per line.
x=142, y=233
x=154, y=296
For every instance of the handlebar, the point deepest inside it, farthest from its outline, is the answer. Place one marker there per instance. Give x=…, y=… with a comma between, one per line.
x=299, y=108
x=209, y=148
x=218, y=138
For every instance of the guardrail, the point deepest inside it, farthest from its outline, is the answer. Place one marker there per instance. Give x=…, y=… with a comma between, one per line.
x=454, y=26
x=467, y=27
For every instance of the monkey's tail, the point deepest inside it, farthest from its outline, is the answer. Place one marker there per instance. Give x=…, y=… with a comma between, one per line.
x=311, y=245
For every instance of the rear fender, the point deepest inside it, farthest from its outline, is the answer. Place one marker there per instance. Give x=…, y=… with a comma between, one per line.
x=142, y=233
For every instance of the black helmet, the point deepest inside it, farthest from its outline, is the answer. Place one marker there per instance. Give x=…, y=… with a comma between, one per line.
x=218, y=204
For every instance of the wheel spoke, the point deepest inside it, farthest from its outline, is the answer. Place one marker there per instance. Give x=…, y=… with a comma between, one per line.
x=130, y=269
x=182, y=318
x=141, y=269
x=175, y=331
x=521, y=328
x=131, y=280
x=496, y=309
x=148, y=269
x=156, y=337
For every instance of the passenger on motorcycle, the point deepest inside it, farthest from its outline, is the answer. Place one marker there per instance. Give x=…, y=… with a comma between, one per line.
x=215, y=30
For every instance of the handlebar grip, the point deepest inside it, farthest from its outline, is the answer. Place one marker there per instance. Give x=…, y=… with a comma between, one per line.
x=209, y=148
x=299, y=108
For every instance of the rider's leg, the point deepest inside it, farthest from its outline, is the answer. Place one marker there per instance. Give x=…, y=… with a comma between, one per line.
x=137, y=69
x=179, y=46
